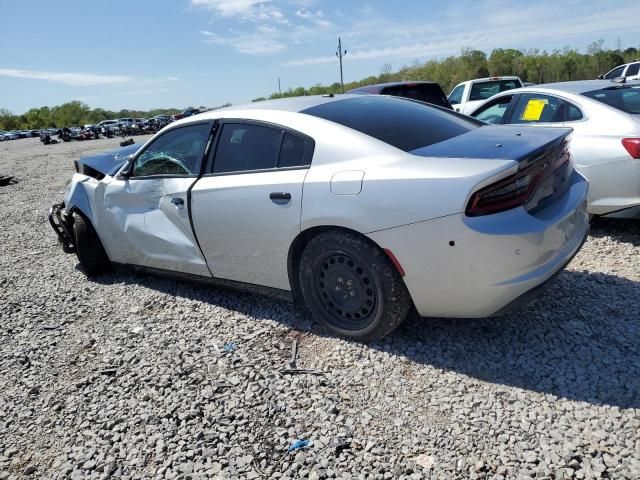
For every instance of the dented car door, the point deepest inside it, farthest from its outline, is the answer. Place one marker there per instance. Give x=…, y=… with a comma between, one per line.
x=146, y=209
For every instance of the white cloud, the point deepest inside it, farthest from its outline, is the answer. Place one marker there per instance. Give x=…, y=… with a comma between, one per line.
x=494, y=28
x=260, y=42
x=69, y=78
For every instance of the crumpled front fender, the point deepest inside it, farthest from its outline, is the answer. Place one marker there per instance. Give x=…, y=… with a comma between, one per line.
x=77, y=196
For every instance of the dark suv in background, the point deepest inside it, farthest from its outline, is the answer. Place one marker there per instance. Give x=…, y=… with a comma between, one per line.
x=429, y=92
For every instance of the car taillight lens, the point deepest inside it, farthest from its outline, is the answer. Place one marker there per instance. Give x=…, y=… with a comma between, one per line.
x=517, y=189
x=633, y=146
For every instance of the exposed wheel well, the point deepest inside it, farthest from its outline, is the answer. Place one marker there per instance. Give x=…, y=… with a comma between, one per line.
x=297, y=247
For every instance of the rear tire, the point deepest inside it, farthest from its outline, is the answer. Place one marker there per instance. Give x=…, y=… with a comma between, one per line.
x=89, y=250
x=352, y=287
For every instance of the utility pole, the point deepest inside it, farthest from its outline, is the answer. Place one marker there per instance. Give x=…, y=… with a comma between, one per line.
x=279, y=88
x=340, y=54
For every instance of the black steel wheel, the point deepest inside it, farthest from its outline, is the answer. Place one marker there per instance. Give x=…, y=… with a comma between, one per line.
x=351, y=286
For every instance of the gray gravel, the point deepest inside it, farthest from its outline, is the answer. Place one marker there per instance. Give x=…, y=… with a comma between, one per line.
x=128, y=376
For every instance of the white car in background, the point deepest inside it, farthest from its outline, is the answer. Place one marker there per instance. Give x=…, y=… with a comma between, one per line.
x=630, y=71
x=467, y=96
x=360, y=206
x=605, y=145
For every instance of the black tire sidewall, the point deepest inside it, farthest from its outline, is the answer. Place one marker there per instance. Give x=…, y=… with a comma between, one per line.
x=89, y=249
x=393, y=300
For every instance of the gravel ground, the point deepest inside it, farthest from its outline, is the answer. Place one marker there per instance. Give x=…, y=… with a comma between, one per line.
x=135, y=376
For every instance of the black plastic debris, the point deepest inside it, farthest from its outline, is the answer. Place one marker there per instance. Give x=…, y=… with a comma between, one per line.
x=126, y=143
x=7, y=180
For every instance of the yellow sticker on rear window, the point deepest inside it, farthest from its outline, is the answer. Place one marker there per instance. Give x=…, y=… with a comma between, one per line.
x=533, y=110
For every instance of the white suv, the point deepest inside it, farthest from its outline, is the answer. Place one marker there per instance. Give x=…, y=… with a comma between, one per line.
x=631, y=71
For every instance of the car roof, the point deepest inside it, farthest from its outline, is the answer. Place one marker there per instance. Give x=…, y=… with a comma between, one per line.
x=290, y=104
x=381, y=86
x=582, y=86
x=497, y=77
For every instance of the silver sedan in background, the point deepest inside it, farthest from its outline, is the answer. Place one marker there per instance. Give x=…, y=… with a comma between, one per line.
x=605, y=118
x=362, y=207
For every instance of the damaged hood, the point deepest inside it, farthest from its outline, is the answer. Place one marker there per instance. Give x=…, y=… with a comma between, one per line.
x=107, y=163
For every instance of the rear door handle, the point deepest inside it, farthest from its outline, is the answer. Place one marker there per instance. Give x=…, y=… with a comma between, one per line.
x=178, y=202
x=280, y=197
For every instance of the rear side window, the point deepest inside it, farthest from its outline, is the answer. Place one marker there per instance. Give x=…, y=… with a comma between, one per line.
x=401, y=123
x=626, y=99
x=633, y=69
x=424, y=92
x=484, y=90
x=247, y=147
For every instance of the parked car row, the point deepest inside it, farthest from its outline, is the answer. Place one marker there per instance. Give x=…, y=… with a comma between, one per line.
x=16, y=134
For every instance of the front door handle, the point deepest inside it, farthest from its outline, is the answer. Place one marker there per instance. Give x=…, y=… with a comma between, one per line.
x=280, y=198
x=178, y=202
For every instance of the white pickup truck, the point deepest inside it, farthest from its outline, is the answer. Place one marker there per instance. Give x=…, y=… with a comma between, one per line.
x=466, y=96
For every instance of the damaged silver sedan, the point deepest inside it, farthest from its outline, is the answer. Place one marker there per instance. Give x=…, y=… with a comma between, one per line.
x=362, y=208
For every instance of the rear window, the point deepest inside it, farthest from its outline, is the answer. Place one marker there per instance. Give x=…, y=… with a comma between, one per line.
x=626, y=99
x=401, y=123
x=484, y=90
x=424, y=92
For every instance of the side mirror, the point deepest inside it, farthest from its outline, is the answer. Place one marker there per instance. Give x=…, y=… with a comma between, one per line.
x=601, y=77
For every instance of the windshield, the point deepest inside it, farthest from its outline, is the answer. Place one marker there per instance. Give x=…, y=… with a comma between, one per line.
x=626, y=99
x=484, y=90
x=404, y=124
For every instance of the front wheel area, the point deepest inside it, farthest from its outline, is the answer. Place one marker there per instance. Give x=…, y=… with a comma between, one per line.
x=89, y=250
x=352, y=287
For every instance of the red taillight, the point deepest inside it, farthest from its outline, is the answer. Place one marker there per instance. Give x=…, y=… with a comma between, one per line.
x=633, y=146
x=517, y=189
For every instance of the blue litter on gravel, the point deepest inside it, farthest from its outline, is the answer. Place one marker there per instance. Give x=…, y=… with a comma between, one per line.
x=298, y=444
x=229, y=347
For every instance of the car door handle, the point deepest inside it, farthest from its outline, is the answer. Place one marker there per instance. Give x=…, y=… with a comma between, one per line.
x=178, y=202
x=280, y=197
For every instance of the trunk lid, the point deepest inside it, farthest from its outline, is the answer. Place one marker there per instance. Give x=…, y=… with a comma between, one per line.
x=542, y=154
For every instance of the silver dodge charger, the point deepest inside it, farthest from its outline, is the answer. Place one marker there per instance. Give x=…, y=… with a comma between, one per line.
x=360, y=207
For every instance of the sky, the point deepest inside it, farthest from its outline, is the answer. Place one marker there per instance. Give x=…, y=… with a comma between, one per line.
x=143, y=54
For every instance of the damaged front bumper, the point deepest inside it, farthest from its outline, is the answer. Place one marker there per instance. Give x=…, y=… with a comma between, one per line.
x=62, y=224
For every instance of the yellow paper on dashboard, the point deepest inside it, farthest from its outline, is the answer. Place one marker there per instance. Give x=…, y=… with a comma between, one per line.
x=533, y=110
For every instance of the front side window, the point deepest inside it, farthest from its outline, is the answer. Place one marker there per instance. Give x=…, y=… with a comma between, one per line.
x=176, y=152
x=615, y=73
x=455, y=97
x=494, y=111
x=484, y=90
x=538, y=108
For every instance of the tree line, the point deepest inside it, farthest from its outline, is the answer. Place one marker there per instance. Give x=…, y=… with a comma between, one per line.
x=73, y=113
x=530, y=65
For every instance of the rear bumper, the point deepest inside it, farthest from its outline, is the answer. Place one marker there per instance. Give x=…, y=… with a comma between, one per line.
x=463, y=267
x=62, y=225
